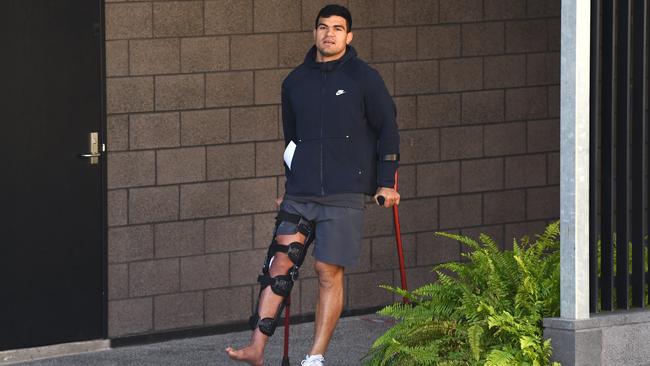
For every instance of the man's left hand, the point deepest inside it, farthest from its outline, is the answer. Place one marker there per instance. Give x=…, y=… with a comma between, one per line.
x=391, y=197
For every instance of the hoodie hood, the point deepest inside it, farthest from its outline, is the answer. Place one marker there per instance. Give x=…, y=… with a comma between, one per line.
x=310, y=59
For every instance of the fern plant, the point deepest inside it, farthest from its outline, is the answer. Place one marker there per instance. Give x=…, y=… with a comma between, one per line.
x=487, y=310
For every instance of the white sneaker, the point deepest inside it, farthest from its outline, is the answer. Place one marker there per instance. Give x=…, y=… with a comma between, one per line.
x=313, y=360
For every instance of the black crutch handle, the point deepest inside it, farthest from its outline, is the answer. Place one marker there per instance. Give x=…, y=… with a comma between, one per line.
x=381, y=200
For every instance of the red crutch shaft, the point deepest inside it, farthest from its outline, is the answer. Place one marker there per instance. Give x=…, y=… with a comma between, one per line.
x=285, y=356
x=398, y=240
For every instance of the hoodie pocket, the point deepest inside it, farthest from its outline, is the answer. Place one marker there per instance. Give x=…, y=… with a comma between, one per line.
x=343, y=170
x=304, y=176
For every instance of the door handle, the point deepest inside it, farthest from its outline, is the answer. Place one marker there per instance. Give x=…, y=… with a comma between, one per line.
x=93, y=145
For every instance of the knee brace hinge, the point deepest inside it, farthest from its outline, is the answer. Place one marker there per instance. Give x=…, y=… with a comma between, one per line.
x=283, y=284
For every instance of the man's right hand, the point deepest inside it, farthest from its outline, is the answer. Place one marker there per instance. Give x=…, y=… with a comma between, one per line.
x=278, y=201
x=391, y=197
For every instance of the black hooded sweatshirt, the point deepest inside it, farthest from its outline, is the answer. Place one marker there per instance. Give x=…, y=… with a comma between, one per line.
x=342, y=119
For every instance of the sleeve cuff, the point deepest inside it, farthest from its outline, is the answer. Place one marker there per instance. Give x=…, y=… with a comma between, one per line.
x=386, y=173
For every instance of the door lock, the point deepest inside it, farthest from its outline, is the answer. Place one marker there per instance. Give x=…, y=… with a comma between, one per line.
x=93, y=144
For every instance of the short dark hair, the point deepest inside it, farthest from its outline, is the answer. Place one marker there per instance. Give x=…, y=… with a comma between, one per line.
x=333, y=9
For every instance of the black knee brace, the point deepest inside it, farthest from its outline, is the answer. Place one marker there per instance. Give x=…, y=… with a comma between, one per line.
x=281, y=285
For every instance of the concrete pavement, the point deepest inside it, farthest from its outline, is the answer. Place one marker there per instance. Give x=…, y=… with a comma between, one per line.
x=350, y=342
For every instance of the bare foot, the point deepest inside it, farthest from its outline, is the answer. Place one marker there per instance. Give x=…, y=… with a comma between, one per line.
x=249, y=355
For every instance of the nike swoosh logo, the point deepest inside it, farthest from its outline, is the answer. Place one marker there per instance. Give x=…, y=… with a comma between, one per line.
x=339, y=92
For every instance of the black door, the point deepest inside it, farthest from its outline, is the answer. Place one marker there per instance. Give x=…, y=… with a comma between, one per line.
x=52, y=250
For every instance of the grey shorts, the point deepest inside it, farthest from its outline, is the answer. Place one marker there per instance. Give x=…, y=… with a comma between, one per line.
x=338, y=230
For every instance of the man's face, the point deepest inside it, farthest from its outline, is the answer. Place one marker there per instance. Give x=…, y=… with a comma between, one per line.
x=331, y=36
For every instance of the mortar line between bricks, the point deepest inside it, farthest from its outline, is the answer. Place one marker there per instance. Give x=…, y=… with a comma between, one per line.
x=228, y=211
x=180, y=60
x=483, y=71
x=277, y=48
x=229, y=126
x=483, y=140
x=205, y=236
x=433, y=162
x=128, y=280
x=482, y=209
x=438, y=71
x=153, y=240
x=153, y=312
x=188, y=219
x=200, y=181
x=372, y=45
x=505, y=104
x=362, y=28
x=180, y=129
x=205, y=91
x=128, y=58
x=153, y=30
x=178, y=202
x=526, y=134
x=155, y=162
x=369, y=271
x=377, y=62
x=460, y=36
x=254, y=89
x=451, y=195
x=180, y=279
x=547, y=47
x=203, y=293
x=547, y=101
x=526, y=204
x=546, y=168
x=548, y=37
x=439, y=135
x=301, y=14
x=177, y=257
x=230, y=269
x=503, y=172
x=153, y=104
x=253, y=32
x=437, y=214
x=206, y=164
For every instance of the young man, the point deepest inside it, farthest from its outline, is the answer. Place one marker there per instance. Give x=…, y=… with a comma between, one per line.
x=338, y=113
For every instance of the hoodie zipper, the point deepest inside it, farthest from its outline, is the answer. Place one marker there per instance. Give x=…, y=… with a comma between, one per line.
x=322, y=92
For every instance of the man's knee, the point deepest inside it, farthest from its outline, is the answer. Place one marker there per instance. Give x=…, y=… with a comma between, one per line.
x=281, y=261
x=329, y=275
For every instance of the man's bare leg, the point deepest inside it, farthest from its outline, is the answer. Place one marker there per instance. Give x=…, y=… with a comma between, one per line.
x=329, y=306
x=253, y=354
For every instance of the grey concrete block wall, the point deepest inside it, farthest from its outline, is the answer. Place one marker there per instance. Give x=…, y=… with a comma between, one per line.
x=195, y=142
x=604, y=339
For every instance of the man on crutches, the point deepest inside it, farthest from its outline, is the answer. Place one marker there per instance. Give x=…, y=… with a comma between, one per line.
x=341, y=143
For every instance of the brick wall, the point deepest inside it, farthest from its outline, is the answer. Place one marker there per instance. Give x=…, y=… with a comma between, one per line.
x=195, y=142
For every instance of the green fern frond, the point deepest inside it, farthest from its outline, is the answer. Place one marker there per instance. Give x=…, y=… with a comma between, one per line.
x=487, y=310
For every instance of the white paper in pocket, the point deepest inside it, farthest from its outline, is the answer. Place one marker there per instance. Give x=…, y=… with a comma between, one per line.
x=288, y=153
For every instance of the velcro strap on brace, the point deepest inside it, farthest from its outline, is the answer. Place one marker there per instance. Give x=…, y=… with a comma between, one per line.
x=280, y=285
x=305, y=227
x=286, y=216
x=295, y=251
x=267, y=325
